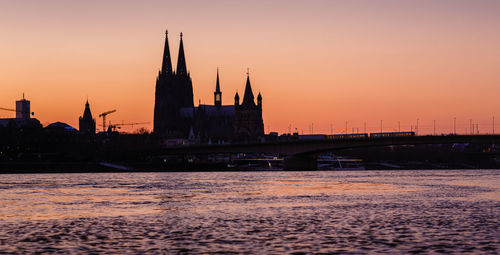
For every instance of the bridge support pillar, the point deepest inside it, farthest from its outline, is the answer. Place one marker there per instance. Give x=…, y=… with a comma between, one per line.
x=296, y=163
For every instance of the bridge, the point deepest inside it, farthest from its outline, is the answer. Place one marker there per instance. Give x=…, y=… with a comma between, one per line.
x=300, y=153
x=312, y=147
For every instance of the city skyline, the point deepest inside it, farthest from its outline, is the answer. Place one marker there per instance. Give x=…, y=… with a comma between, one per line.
x=317, y=64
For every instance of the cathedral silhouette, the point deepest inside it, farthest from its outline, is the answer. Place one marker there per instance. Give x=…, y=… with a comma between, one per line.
x=175, y=115
x=86, y=122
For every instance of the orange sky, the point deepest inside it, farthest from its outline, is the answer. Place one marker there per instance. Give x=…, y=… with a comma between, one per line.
x=320, y=62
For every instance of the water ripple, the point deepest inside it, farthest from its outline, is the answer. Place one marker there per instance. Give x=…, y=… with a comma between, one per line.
x=259, y=212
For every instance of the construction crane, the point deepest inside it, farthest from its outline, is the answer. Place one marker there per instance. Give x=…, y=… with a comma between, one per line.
x=112, y=127
x=103, y=115
x=12, y=110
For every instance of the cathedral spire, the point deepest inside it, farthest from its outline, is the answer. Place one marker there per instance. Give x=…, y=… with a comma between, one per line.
x=86, y=122
x=181, y=60
x=217, y=93
x=236, y=99
x=86, y=112
x=248, y=98
x=166, y=68
x=217, y=84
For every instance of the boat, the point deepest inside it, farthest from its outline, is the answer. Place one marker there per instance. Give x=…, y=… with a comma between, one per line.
x=339, y=163
x=256, y=162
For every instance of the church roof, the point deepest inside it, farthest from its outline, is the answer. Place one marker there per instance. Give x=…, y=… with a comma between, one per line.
x=210, y=110
x=248, y=99
x=87, y=115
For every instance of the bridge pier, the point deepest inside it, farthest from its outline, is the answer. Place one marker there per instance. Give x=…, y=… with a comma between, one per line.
x=296, y=163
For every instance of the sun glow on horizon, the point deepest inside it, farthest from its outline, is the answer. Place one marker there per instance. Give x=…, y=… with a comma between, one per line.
x=317, y=64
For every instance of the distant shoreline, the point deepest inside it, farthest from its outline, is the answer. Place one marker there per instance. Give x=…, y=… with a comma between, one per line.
x=96, y=167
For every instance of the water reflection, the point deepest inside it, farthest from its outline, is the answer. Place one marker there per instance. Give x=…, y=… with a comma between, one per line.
x=269, y=212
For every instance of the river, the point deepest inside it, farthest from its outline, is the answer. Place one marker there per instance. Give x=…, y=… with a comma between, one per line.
x=279, y=212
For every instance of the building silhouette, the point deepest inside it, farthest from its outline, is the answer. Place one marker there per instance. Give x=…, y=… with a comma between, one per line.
x=86, y=122
x=23, y=116
x=174, y=91
x=212, y=123
x=248, y=122
x=175, y=115
x=23, y=109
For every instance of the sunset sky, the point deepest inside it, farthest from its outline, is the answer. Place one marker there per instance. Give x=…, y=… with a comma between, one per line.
x=316, y=63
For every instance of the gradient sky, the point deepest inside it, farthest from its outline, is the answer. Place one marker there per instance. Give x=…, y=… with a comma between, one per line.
x=321, y=62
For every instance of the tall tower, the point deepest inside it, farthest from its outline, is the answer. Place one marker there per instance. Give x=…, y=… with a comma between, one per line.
x=248, y=123
x=165, y=73
x=86, y=122
x=174, y=91
x=184, y=79
x=217, y=93
x=23, y=109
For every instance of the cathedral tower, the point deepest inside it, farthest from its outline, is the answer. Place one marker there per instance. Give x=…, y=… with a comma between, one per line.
x=174, y=90
x=181, y=60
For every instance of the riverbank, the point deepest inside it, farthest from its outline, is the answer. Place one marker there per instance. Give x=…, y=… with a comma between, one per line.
x=107, y=167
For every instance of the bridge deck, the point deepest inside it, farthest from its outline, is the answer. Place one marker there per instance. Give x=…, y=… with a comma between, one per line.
x=307, y=147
